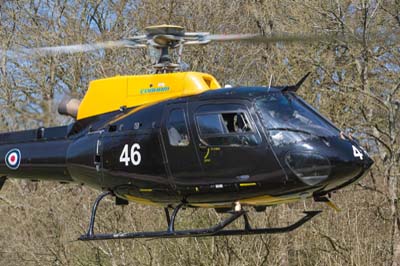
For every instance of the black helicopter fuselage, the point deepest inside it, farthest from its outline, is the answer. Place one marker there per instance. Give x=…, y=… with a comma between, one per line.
x=255, y=145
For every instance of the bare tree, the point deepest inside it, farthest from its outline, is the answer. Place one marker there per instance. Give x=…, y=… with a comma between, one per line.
x=354, y=82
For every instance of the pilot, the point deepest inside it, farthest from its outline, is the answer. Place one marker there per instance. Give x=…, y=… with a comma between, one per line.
x=239, y=123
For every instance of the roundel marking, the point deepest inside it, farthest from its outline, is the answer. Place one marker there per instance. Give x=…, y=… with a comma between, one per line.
x=13, y=159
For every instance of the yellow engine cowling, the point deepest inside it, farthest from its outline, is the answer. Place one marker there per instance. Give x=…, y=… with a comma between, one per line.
x=110, y=94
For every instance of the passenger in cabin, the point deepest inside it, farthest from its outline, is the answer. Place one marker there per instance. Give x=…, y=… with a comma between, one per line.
x=177, y=139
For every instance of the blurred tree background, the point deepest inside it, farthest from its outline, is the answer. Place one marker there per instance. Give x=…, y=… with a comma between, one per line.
x=355, y=84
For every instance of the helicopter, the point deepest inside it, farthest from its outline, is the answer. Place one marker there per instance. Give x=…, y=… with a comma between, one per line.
x=176, y=140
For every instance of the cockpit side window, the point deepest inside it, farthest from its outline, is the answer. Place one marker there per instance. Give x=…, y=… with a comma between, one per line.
x=236, y=122
x=210, y=124
x=177, y=128
x=226, y=127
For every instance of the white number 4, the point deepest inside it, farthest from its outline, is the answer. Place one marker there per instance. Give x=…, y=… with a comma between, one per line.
x=134, y=156
x=357, y=153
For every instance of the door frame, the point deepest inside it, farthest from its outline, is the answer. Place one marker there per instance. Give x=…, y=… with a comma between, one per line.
x=165, y=138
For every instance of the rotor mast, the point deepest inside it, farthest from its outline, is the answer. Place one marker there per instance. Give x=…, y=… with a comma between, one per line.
x=170, y=37
x=164, y=38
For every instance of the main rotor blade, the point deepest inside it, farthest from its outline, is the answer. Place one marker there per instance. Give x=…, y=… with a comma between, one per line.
x=391, y=36
x=278, y=37
x=67, y=49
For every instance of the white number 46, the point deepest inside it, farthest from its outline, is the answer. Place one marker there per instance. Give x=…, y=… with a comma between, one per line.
x=357, y=153
x=134, y=156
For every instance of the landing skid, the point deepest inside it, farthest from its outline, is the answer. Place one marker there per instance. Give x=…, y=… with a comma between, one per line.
x=216, y=230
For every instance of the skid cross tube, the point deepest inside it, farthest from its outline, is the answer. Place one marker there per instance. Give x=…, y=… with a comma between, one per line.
x=216, y=230
x=94, y=210
x=171, y=225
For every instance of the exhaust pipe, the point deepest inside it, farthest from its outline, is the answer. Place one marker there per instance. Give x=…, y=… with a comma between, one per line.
x=69, y=106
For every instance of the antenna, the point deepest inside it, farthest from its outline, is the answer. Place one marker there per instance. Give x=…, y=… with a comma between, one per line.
x=270, y=81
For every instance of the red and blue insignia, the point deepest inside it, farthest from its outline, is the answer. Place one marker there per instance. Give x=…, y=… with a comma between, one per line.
x=13, y=159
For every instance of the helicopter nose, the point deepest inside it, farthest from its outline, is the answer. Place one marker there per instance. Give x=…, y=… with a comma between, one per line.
x=361, y=158
x=368, y=162
x=343, y=162
x=351, y=164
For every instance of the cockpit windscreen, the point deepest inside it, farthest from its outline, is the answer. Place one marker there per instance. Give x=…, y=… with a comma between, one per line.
x=285, y=112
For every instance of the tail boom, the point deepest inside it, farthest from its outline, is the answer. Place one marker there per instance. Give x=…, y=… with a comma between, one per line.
x=35, y=154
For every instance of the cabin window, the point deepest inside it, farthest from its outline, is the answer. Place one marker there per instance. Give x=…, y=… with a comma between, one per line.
x=210, y=124
x=226, y=128
x=177, y=128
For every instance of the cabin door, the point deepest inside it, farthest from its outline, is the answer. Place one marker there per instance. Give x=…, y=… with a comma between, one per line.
x=182, y=160
x=233, y=151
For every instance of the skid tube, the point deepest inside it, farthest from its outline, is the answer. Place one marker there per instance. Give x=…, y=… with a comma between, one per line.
x=216, y=230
